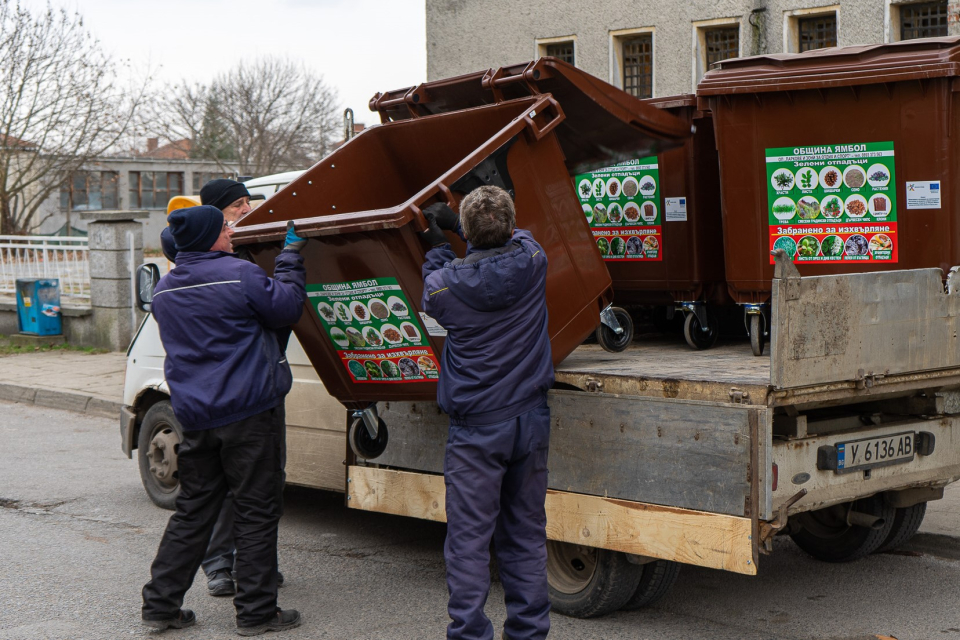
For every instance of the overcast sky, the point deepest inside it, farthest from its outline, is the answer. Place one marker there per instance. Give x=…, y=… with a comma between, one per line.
x=360, y=46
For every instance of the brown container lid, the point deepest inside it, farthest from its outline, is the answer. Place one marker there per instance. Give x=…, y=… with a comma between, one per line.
x=836, y=66
x=603, y=124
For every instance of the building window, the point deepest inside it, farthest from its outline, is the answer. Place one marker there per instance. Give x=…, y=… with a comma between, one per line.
x=923, y=20
x=721, y=44
x=89, y=191
x=817, y=32
x=562, y=50
x=153, y=189
x=202, y=178
x=637, y=65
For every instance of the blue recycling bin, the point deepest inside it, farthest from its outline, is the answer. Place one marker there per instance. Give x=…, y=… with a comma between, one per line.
x=38, y=306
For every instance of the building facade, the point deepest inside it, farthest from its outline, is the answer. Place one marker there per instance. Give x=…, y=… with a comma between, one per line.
x=655, y=48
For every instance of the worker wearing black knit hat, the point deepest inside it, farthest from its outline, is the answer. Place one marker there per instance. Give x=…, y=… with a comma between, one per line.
x=229, y=196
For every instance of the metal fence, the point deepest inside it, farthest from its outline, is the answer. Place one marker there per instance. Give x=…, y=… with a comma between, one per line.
x=46, y=257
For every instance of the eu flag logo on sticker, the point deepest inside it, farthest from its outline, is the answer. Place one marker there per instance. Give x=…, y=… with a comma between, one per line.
x=683, y=201
x=934, y=186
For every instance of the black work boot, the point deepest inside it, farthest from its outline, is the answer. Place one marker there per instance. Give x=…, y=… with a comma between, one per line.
x=281, y=621
x=220, y=583
x=184, y=618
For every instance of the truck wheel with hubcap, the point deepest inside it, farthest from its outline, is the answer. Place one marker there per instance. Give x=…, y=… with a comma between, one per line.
x=906, y=523
x=826, y=534
x=157, y=448
x=586, y=582
x=657, y=578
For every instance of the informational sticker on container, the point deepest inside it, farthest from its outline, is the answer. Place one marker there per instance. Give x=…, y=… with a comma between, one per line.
x=622, y=205
x=923, y=195
x=675, y=209
x=373, y=330
x=833, y=202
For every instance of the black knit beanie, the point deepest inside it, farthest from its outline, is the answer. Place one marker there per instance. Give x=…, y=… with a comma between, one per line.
x=168, y=245
x=222, y=192
x=195, y=228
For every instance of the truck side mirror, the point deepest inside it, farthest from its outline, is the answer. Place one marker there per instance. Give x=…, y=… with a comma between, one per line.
x=148, y=275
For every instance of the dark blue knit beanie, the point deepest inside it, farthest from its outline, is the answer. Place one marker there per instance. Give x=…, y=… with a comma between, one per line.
x=195, y=228
x=168, y=245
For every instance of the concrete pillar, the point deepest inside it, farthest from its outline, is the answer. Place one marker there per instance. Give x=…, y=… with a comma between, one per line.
x=111, y=234
x=953, y=17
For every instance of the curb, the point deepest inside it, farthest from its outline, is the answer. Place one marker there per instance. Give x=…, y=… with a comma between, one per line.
x=934, y=544
x=77, y=402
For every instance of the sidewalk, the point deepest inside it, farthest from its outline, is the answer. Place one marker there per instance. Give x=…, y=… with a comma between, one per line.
x=93, y=384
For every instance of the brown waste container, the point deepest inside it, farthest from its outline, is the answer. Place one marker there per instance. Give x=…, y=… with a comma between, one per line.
x=361, y=206
x=691, y=269
x=657, y=223
x=843, y=157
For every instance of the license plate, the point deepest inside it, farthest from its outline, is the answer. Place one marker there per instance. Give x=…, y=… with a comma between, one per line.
x=875, y=452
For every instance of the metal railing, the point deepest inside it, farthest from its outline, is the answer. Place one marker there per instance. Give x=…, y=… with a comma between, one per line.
x=46, y=257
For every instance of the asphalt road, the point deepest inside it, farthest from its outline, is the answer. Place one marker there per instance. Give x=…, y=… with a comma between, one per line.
x=77, y=535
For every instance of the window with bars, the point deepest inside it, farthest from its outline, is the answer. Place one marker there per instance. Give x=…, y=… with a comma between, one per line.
x=89, y=191
x=923, y=20
x=637, y=60
x=720, y=44
x=817, y=32
x=153, y=189
x=562, y=50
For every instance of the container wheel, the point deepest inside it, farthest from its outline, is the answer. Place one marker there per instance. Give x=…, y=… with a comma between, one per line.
x=363, y=444
x=608, y=338
x=906, y=523
x=657, y=578
x=698, y=337
x=826, y=535
x=756, y=335
x=586, y=582
x=157, y=448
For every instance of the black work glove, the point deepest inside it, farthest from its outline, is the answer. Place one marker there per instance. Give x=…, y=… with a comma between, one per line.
x=433, y=236
x=445, y=217
x=293, y=242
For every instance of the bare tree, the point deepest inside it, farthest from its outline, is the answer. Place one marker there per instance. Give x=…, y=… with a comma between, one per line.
x=62, y=103
x=261, y=117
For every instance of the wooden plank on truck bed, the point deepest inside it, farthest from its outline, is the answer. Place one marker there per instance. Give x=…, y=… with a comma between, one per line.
x=669, y=369
x=678, y=453
x=869, y=329
x=692, y=537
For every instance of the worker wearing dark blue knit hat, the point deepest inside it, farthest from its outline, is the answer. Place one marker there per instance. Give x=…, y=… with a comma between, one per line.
x=224, y=326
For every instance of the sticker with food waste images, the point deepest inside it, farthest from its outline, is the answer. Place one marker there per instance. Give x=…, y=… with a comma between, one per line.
x=833, y=202
x=622, y=205
x=374, y=330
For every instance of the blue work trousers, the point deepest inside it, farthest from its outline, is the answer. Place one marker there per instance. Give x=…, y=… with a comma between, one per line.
x=496, y=479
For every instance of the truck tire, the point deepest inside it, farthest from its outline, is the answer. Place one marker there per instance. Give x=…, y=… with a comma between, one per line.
x=906, y=523
x=157, y=448
x=826, y=536
x=586, y=582
x=657, y=579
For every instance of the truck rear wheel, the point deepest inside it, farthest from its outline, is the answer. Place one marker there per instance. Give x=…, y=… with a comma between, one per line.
x=826, y=535
x=157, y=448
x=657, y=578
x=906, y=523
x=586, y=582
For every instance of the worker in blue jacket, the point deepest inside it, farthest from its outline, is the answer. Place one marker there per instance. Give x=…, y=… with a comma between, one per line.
x=219, y=320
x=495, y=372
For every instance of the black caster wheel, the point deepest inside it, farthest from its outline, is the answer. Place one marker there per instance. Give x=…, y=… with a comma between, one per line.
x=363, y=444
x=757, y=340
x=698, y=336
x=609, y=339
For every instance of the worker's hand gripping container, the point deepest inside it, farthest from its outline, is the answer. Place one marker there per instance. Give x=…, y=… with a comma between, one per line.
x=361, y=208
x=843, y=157
x=657, y=221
